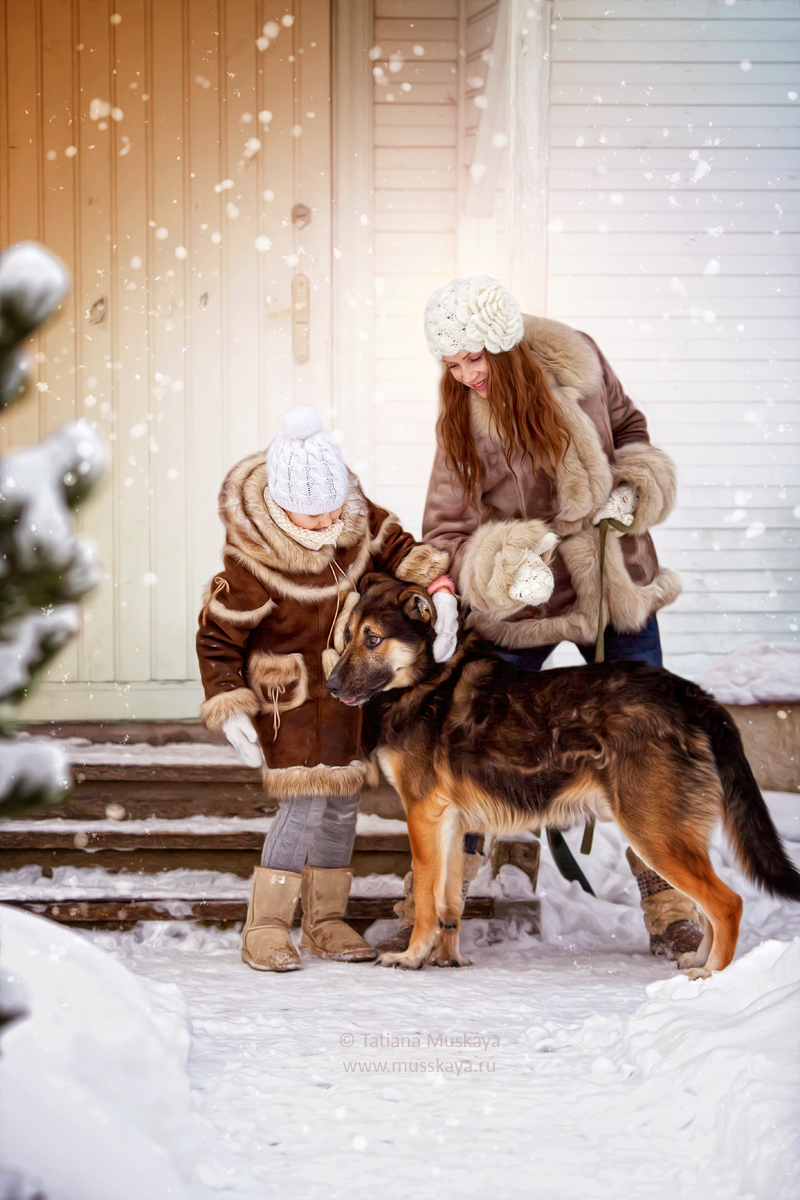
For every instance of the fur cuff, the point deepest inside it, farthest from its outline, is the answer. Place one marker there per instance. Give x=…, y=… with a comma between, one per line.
x=492, y=558
x=652, y=473
x=422, y=565
x=283, y=783
x=216, y=710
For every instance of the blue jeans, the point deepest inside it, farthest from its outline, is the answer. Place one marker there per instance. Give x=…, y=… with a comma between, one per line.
x=642, y=646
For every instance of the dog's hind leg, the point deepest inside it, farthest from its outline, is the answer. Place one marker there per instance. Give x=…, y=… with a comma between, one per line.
x=448, y=897
x=427, y=832
x=688, y=868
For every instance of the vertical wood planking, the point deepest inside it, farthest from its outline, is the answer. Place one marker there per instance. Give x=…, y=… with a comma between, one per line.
x=57, y=369
x=173, y=357
x=137, y=430
x=169, y=264
x=415, y=250
x=240, y=226
x=22, y=81
x=313, y=187
x=277, y=265
x=353, y=139
x=93, y=325
x=200, y=466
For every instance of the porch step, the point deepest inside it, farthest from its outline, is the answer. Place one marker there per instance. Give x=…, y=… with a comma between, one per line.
x=360, y=909
x=151, y=798
x=230, y=845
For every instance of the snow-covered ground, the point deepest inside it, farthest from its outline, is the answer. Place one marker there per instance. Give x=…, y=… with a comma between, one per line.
x=571, y=1065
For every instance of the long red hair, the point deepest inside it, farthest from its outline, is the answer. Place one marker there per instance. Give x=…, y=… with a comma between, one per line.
x=522, y=408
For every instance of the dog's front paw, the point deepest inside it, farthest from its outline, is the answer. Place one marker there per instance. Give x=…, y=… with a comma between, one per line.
x=443, y=958
x=697, y=973
x=404, y=962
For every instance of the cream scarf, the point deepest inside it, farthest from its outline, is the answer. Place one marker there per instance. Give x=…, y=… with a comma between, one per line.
x=311, y=539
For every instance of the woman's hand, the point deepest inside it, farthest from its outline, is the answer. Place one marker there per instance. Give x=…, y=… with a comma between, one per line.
x=620, y=506
x=533, y=583
x=241, y=733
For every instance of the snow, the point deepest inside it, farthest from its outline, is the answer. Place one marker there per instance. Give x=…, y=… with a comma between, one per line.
x=758, y=673
x=82, y=752
x=96, y=883
x=366, y=823
x=95, y=1099
x=571, y=1065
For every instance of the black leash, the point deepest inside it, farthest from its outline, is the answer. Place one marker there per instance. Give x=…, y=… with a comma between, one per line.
x=562, y=855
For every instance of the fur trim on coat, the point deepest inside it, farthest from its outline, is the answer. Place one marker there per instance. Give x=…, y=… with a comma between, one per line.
x=493, y=556
x=216, y=710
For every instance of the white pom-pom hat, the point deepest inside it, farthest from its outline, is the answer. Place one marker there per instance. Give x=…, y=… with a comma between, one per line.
x=305, y=469
x=472, y=314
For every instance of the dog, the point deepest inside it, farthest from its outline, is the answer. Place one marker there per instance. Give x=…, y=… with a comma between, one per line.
x=476, y=743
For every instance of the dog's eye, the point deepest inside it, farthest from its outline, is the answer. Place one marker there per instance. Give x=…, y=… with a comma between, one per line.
x=374, y=640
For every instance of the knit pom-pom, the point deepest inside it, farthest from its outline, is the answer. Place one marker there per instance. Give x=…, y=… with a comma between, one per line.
x=302, y=421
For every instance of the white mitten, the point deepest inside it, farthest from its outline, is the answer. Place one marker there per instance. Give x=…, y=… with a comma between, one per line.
x=241, y=733
x=533, y=583
x=620, y=506
x=446, y=626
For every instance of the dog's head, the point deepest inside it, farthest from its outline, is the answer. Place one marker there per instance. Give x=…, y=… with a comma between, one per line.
x=388, y=640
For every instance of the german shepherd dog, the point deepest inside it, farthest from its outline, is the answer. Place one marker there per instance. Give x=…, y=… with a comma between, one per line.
x=478, y=744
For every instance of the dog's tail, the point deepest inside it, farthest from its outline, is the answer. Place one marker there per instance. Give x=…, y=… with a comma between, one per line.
x=745, y=816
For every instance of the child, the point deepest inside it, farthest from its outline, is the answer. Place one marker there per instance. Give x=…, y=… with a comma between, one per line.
x=300, y=534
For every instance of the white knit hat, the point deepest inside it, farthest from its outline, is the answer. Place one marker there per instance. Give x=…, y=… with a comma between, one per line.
x=472, y=314
x=305, y=469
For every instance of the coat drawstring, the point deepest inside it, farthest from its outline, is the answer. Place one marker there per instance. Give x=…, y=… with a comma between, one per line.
x=220, y=585
x=334, y=568
x=273, y=695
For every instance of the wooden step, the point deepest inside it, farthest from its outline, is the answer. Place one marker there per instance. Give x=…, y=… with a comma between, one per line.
x=172, y=792
x=361, y=910
x=163, y=790
x=155, y=851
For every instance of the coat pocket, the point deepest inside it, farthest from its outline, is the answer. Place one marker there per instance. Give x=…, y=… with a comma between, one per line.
x=280, y=681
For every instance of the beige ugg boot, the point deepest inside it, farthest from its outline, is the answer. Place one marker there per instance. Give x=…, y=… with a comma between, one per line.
x=325, y=932
x=672, y=919
x=266, y=944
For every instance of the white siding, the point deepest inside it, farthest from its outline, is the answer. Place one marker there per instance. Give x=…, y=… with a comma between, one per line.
x=415, y=222
x=674, y=182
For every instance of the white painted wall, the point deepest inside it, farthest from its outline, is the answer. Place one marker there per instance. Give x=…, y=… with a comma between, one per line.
x=676, y=250
x=673, y=215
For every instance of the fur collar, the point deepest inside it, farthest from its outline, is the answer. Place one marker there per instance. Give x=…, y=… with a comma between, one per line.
x=258, y=542
x=572, y=369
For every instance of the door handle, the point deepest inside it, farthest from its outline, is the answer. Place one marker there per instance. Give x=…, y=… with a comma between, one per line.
x=298, y=310
x=300, y=325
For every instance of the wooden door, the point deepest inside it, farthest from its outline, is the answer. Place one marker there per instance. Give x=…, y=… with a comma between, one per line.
x=161, y=148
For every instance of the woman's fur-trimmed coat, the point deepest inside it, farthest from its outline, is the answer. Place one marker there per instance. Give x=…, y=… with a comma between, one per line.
x=519, y=507
x=271, y=626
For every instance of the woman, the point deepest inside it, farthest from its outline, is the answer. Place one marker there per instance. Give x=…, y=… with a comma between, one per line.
x=537, y=442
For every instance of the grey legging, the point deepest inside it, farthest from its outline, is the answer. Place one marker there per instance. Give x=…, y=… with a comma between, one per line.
x=321, y=829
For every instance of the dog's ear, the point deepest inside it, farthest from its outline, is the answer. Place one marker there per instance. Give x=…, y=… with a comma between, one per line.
x=417, y=606
x=368, y=580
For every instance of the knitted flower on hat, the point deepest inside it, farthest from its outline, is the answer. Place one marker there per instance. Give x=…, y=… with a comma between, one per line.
x=472, y=314
x=305, y=469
